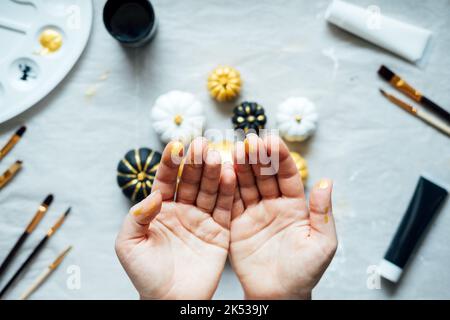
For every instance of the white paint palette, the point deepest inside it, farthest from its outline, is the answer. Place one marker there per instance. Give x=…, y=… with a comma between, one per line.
x=28, y=69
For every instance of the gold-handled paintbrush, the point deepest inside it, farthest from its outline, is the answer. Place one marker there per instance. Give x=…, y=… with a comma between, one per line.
x=28, y=230
x=12, y=142
x=35, y=251
x=401, y=85
x=45, y=274
x=10, y=173
x=424, y=116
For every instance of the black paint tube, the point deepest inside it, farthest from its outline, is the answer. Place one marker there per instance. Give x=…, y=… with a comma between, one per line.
x=425, y=202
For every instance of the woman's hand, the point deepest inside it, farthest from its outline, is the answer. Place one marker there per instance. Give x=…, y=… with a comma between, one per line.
x=176, y=249
x=279, y=248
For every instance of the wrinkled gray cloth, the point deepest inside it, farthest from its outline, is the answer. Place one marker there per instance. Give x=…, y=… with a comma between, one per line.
x=374, y=151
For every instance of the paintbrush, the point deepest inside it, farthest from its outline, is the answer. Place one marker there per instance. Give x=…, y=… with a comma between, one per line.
x=28, y=230
x=10, y=173
x=35, y=251
x=408, y=90
x=418, y=113
x=45, y=274
x=12, y=142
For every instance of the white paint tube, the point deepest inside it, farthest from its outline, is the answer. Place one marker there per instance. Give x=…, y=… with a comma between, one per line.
x=403, y=39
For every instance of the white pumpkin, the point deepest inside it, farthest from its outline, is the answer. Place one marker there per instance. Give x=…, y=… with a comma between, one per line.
x=297, y=119
x=178, y=115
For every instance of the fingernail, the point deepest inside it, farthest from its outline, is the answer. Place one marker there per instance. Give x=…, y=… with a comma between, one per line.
x=148, y=204
x=213, y=157
x=177, y=149
x=323, y=184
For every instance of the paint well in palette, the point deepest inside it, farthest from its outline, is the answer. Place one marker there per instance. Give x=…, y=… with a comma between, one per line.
x=41, y=41
x=51, y=40
x=24, y=74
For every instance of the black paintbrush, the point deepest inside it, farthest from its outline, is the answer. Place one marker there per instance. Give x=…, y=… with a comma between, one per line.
x=408, y=90
x=36, y=250
x=28, y=230
x=12, y=142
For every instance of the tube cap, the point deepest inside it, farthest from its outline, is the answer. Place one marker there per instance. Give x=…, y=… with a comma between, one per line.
x=389, y=270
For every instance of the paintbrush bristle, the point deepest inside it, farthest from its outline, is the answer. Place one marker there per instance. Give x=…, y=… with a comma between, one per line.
x=21, y=131
x=383, y=92
x=67, y=212
x=48, y=200
x=385, y=73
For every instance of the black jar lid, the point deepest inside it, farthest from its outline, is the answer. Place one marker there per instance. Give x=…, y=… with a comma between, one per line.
x=129, y=21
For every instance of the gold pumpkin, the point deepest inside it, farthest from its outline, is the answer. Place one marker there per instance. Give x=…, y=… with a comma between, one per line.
x=301, y=164
x=224, y=83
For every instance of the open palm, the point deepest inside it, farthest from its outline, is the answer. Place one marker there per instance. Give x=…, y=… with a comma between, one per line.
x=279, y=248
x=173, y=249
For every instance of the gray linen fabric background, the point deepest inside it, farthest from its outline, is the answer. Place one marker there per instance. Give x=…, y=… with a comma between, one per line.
x=374, y=151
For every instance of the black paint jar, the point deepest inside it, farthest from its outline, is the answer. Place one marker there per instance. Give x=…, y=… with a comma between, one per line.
x=131, y=22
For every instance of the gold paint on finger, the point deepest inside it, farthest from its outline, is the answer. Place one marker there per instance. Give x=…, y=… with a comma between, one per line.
x=323, y=184
x=176, y=149
x=137, y=212
x=326, y=219
x=248, y=147
x=225, y=148
x=150, y=208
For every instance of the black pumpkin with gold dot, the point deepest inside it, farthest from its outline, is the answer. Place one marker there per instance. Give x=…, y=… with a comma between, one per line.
x=249, y=116
x=136, y=173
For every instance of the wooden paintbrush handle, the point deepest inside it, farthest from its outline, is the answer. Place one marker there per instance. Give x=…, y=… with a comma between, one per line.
x=433, y=121
x=36, y=284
